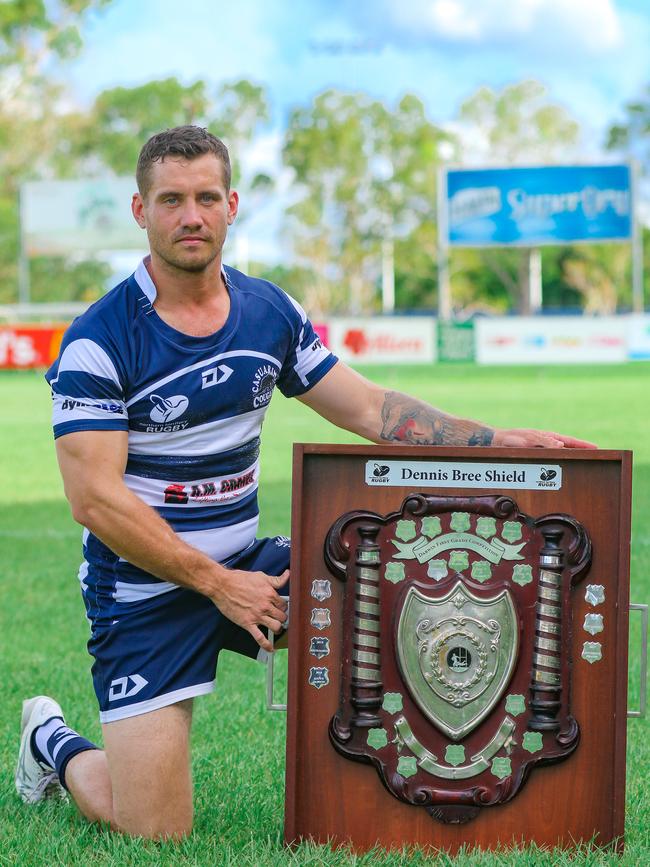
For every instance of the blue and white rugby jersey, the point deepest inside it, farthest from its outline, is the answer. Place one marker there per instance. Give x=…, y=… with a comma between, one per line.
x=193, y=408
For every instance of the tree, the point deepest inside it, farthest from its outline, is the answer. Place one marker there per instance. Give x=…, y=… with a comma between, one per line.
x=35, y=36
x=365, y=173
x=632, y=135
x=518, y=125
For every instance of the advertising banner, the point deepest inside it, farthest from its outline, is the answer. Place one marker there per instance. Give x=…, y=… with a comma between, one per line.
x=536, y=206
x=551, y=340
x=638, y=338
x=383, y=340
x=27, y=346
x=455, y=341
x=86, y=216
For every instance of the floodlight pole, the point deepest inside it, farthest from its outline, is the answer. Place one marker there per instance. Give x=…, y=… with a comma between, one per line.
x=23, y=258
x=637, y=243
x=388, y=273
x=534, y=280
x=444, y=283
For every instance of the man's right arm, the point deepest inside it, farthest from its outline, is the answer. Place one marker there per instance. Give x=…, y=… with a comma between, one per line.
x=92, y=464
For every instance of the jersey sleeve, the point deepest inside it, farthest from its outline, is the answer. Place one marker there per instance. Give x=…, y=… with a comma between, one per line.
x=307, y=360
x=87, y=393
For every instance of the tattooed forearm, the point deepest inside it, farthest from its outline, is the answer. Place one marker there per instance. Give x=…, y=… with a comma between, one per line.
x=407, y=420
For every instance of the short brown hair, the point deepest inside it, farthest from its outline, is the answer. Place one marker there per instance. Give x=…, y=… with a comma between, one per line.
x=189, y=142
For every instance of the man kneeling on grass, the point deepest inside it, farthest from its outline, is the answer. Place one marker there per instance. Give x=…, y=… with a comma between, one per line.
x=159, y=395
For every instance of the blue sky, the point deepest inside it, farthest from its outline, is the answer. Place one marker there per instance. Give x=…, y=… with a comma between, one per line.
x=592, y=54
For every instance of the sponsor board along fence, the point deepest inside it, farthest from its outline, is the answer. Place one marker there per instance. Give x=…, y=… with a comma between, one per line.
x=418, y=340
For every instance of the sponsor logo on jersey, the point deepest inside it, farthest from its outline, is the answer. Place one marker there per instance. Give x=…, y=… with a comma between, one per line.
x=263, y=385
x=166, y=409
x=216, y=375
x=72, y=404
x=208, y=492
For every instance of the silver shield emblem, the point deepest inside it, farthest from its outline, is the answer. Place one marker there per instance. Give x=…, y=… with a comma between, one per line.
x=321, y=589
x=457, y=654
x=320, y=618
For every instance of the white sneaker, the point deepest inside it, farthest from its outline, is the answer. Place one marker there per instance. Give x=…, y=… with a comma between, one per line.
x=34, y=779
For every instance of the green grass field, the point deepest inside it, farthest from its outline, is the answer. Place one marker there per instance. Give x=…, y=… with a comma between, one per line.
x=238, y=747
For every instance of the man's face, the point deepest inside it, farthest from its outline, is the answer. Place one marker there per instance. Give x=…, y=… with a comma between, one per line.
x=186, y=211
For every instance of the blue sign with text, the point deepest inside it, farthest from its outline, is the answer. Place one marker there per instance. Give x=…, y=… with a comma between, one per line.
x=534, y=206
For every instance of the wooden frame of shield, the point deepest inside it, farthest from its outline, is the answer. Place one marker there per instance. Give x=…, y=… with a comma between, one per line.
x=387, y=767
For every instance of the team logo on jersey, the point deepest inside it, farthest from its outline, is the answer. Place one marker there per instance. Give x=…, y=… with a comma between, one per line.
x=166, y=409
x=263, y=385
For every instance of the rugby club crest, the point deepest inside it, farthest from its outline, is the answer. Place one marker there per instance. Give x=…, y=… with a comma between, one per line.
x=457, y=631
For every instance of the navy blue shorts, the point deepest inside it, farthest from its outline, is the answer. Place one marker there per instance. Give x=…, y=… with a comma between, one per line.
x=148, y=659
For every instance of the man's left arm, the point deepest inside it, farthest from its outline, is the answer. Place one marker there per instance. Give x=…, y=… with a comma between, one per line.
x=350, y=401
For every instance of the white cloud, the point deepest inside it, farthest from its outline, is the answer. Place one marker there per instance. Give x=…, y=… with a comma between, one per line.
x=590, y=26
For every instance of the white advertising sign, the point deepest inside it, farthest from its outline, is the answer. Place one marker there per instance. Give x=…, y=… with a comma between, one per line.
x=61, y=217
x=638, y=338
x=456, y=474
x=551, y=340
x=384, y=340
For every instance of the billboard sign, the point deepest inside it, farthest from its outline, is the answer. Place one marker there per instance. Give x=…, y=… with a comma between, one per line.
x=551, y=340
x=81, y=216
x=535, y=206
x=28, y=346
x=383, y=340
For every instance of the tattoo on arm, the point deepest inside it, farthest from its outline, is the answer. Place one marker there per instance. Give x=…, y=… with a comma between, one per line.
x=407, y=420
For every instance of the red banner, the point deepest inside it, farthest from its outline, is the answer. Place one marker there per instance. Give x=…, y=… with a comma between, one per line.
x=28, y=346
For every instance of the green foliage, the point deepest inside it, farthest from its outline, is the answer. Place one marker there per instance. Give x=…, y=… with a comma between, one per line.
x=632, y=135
x=54, y=277
x=519, y=124
x=34, y=36
x=366, y=173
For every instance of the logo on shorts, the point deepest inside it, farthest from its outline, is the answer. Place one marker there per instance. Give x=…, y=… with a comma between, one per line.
x=263, y=385
x=166, y=409
x=120, y=687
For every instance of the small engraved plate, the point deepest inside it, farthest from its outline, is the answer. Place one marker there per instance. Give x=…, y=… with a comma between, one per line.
x=321, y=589
x=319, y=676
x=595, y=594
x=366, y=656
x=368, y=556
x=593, y=623
x=548, y=661
x=549, y=593
x=319, y=646
x=364, y=673
x=549, y=610
x=547, y=677
x=368, y=608
x=320, y=618
x=364, y=640
x=548, y=644
x=592, y=651
x=549, y=626
x=368, y=590
x=369, y=625
x=549, y=577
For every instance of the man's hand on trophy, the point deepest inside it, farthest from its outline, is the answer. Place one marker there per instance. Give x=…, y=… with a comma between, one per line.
x=251, y=600
x=527, y=438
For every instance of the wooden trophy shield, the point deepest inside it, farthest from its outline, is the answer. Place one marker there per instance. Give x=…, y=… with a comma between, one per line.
x=458, y=647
